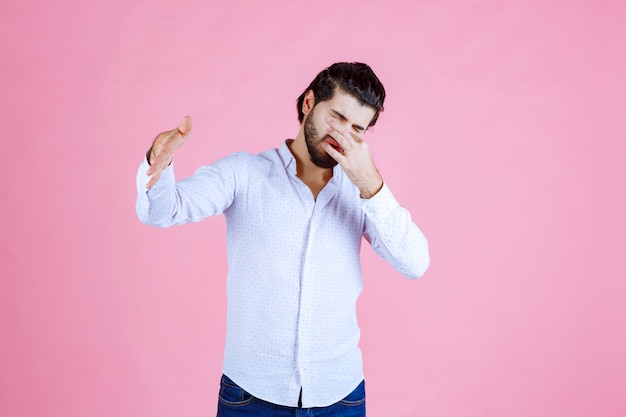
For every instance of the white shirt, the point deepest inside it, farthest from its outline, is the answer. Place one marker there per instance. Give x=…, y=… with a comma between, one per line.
x=294, y=272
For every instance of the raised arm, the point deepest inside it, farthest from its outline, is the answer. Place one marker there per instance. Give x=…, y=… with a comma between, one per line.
x=162, y=202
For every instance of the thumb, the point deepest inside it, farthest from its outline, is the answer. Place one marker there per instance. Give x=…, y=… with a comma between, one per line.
x=185, y=126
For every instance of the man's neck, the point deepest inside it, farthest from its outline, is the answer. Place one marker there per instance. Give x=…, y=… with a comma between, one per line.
x=309, y=173
x=304, y=167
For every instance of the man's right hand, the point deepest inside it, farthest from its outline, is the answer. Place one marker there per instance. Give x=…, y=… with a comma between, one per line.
x=161, y=153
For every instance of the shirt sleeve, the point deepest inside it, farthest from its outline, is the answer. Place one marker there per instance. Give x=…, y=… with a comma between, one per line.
x=208, y=192
x=394, y=236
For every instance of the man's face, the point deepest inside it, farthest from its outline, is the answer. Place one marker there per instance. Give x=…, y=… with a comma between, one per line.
x=348, y=115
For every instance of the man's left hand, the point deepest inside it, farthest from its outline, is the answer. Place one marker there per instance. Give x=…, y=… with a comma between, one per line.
x=355, y=159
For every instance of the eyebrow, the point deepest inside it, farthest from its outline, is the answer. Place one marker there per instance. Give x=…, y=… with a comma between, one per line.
x=342, y=117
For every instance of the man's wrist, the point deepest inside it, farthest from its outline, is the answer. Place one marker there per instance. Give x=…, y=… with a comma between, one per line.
x=372, y=190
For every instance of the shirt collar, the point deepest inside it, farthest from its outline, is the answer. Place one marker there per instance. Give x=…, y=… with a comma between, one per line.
x=289, y=161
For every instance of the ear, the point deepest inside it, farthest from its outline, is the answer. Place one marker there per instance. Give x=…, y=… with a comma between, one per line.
x=308, y=103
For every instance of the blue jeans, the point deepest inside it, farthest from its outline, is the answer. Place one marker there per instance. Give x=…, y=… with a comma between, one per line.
x=235, y=402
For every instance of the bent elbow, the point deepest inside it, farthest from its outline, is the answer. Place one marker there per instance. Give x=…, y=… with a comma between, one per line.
x=153, y=222
x=149, y=219
x=419, y=263
x=418, y=268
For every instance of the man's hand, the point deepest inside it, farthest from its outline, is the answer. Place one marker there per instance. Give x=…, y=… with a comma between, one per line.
x=355, y=159
x=161, y=153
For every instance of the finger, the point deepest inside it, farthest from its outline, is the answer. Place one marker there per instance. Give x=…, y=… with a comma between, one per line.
x=332, y=129
x=340, y=137
x=156, y=161
x=178, y=136
x=357, y=137
x=335, y=154
x=185, y=127
x=160, y=162
x=153, y=180
x=155, y=168
x=164, y=160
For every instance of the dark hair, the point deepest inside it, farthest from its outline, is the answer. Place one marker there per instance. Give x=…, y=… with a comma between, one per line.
x=354, y=78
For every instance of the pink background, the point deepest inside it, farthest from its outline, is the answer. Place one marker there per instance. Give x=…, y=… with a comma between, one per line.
x=504, y=134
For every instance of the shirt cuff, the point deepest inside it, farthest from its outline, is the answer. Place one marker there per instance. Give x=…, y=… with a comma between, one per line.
x=381, y=204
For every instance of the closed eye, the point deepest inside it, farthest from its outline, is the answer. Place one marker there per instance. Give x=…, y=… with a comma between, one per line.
x=337, y=115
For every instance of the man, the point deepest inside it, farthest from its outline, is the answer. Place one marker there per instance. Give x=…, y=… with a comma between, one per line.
x=296, y=217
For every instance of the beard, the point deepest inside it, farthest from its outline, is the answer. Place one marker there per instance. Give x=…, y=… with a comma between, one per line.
x=319, y=156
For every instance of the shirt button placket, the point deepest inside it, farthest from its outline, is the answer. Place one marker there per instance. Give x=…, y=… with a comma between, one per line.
x=305, y=315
